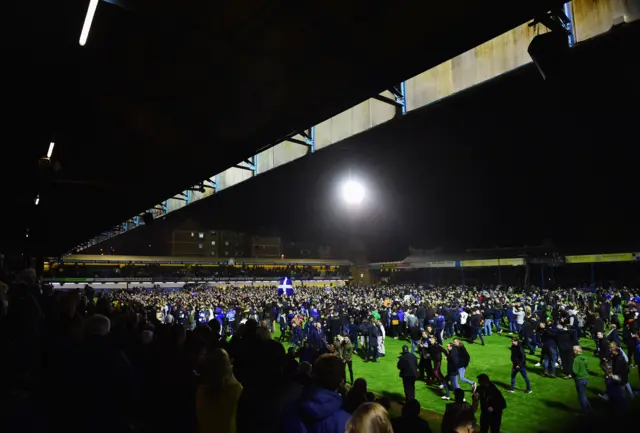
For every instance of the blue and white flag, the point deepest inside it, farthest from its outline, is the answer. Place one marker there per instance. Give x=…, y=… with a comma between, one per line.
x=285, y=286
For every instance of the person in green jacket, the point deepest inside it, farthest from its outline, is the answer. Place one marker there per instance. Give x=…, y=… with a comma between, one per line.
x=344, y=350
x=581, y=377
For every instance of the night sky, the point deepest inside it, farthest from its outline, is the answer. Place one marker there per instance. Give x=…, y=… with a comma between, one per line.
x=512, y=162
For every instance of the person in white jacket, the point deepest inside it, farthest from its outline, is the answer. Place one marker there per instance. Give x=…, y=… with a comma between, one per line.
x=381, y=336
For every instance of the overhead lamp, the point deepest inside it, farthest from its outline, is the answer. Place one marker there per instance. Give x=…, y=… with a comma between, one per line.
x=88, y=19
x=50, y=151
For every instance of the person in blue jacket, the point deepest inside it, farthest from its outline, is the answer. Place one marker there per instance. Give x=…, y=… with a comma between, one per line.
x=319, y=409
x=637, y=354
x=497, y=314
x=297, y=336
x=309, y=326
x=512, y=320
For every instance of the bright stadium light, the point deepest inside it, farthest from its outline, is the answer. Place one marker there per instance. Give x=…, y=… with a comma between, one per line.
x=93, y=5
x=50, y=151
x=353, y=192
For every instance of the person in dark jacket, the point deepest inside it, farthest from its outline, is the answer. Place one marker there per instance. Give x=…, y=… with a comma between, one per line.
x=113, y=384
x=415, y=334
x=357, y=395
x=497, y=314
x=518, y=365
x=320, y=408
x=317, y=339
x=597, y=326
x=476, y=327
x=408, y=367
x=353, y=333
x=617, y=378
x=565, y=349
x=613, y=336
x=373, y=333
x=435, y=352
x=603, y=351
x=453, y=363
x=630, y=342
x=549, y=351
x=425, y=366
x=464, y=361
x=309, y=326
x=527, y=334
x=410, y=421
x=454, y=411
x=492, y=404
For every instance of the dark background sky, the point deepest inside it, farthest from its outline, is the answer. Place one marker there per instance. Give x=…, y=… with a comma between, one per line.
x=511, y=162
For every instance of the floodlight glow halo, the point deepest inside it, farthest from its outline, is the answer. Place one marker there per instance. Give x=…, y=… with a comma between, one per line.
x=353, y=192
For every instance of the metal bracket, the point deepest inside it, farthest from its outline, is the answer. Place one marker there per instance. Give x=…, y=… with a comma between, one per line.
x=556, y=20
x=181, y=196
x=568, y=11
x=308, y=138
x=252, y=165
x=212, y=183
x=399, y=99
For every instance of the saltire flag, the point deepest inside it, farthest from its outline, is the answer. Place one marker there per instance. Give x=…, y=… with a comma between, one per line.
x=285, y=286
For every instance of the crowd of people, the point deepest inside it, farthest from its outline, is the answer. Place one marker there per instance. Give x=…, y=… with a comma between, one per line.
x=195, y=271
x=204, y=359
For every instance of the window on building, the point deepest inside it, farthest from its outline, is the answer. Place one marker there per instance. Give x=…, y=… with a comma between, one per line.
x=213, y=253
x=201, y=235
x=226, y=253
x=192, y=234
x=226, y=243
x=200, y=246
x=213, y=242
x=213, y=233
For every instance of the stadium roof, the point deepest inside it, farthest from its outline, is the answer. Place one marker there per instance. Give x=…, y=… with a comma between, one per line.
x=173, y=92
x=546, y=163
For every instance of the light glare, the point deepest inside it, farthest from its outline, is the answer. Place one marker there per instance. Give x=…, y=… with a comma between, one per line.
x=50, y=151
x=353, y=192
x=93, y=5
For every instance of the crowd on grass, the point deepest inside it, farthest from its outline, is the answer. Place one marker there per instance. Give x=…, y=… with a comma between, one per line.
x=208, y=360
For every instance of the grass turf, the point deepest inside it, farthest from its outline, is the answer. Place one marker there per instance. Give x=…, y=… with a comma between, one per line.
x=552, y=404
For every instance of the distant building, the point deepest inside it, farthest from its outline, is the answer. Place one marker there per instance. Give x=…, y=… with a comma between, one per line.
x=191, y=238
x=266, y=246
x=310, y=250
x=195, y=238
x=234, y=244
